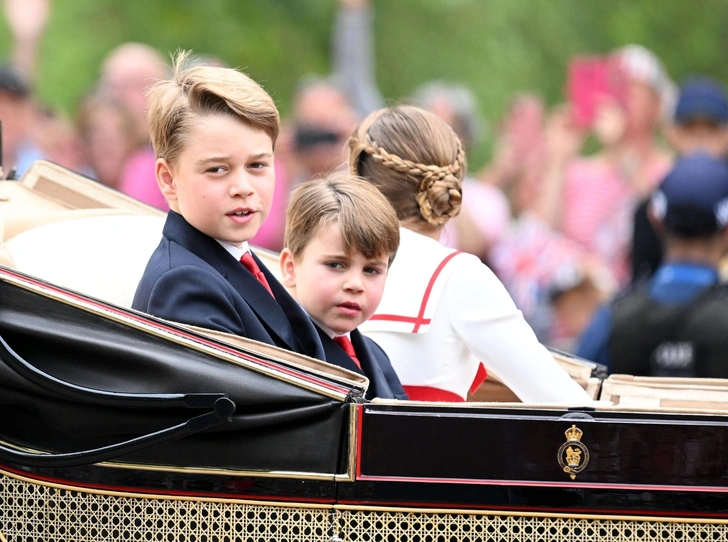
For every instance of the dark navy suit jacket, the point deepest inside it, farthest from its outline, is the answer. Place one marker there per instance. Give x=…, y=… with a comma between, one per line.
x=192, y=279
x=375, y=364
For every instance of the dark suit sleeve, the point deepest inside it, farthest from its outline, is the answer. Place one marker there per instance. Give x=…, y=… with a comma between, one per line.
x=195, y=296
x=389, y=373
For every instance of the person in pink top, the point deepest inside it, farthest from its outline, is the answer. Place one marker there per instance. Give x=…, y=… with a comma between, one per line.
x=126, y=74
x=591, y=199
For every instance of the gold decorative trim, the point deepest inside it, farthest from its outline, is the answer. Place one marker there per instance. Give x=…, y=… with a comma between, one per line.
x=198, y=470
x=350, y=475
x=153, y=330
x=223, y=472
x=573, y=455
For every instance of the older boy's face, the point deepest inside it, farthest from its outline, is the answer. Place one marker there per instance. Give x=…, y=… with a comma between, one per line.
x=339, y=291
x=223, y=181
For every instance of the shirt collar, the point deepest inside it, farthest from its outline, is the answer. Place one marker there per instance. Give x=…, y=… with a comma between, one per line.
x=330, y=332
x=692, y=273
x=235, y=251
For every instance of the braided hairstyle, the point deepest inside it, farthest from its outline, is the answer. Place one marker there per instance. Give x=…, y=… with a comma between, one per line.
x=414, y=158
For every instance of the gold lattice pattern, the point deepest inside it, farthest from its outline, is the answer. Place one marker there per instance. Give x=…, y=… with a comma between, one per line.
x=425, y=527
x=35, y=513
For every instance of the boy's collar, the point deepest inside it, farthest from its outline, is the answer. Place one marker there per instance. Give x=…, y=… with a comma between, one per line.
x=330, y=332
x=235, y=251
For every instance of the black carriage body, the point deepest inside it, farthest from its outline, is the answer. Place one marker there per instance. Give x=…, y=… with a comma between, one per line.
x=304, y=456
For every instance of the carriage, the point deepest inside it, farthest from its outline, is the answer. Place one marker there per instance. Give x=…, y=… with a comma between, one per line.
x=115, y=425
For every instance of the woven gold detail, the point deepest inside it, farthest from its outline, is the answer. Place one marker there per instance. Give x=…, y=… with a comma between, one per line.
x=37, y=513
x=32, y=512
x=447, y=527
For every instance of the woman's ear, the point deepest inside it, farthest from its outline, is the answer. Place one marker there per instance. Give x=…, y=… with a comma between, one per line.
x=288, y=269
x=165, y=180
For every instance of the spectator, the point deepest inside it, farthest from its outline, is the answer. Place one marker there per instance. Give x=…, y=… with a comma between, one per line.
x=591, y=199
x=59, y=140
x=108, y=135
x=126, y=74
x=674, y=325
x=323, y=118
x=17, y=111
x=311, y=145
x=555, y=283
x=700, y=123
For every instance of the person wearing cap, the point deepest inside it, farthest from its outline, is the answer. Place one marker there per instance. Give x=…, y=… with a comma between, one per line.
x=699, y=123
x=674, y=324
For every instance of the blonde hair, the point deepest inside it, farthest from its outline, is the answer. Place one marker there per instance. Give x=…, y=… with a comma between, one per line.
x=202, y=90
x=414, y=158
x=367, y=221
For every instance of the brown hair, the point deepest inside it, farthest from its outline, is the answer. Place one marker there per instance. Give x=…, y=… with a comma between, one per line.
x=367, y=220
x=201, y=90
x=414, y=158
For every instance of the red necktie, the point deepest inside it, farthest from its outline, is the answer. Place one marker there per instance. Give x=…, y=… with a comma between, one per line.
x=344, y=342
x=248, y=261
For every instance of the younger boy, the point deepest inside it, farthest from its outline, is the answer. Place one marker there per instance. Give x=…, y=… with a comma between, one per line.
x=213, y=130
x=341, y=236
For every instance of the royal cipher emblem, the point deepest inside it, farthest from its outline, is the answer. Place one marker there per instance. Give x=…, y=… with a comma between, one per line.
x=573, y=455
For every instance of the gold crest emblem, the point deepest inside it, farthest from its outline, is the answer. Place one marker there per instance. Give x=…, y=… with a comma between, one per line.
x=573, y=455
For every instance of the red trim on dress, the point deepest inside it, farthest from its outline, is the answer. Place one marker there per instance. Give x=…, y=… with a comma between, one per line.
x=427, y=393
x=480, y=377
x=420, y=319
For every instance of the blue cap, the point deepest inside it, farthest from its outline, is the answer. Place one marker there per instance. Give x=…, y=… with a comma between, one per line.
x=693, y=198
x=702, y=99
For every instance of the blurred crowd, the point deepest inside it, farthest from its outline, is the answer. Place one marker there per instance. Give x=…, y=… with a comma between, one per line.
x=558, y=213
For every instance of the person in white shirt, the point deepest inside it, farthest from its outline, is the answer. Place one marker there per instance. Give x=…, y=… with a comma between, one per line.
x=444, y=319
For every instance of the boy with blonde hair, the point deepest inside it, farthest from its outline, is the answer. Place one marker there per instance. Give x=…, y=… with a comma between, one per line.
x=341, y=237
x=214, y=130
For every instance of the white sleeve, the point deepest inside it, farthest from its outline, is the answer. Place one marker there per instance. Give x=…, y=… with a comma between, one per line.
x=486, y=319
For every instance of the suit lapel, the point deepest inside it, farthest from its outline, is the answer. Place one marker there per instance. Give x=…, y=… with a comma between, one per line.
x=302, y=330
x=268, y=310
x=379, y=387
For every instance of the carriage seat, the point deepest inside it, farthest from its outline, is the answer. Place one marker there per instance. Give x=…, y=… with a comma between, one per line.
x=101, y=252
x=675, y=394
x=102, y=256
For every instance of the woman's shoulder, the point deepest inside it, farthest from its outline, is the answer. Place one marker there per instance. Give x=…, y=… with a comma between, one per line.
x=467, y=267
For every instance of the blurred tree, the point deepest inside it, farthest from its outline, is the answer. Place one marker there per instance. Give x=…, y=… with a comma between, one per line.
x=497, y=47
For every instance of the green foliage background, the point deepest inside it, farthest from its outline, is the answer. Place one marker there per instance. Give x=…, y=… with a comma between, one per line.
x=497, y=47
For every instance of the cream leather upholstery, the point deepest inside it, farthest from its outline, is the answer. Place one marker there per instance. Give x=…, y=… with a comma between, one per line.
x=101, y=256
x=666, y=393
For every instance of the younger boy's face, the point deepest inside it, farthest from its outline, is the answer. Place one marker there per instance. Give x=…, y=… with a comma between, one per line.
x=223, y=180
x=339, y=291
